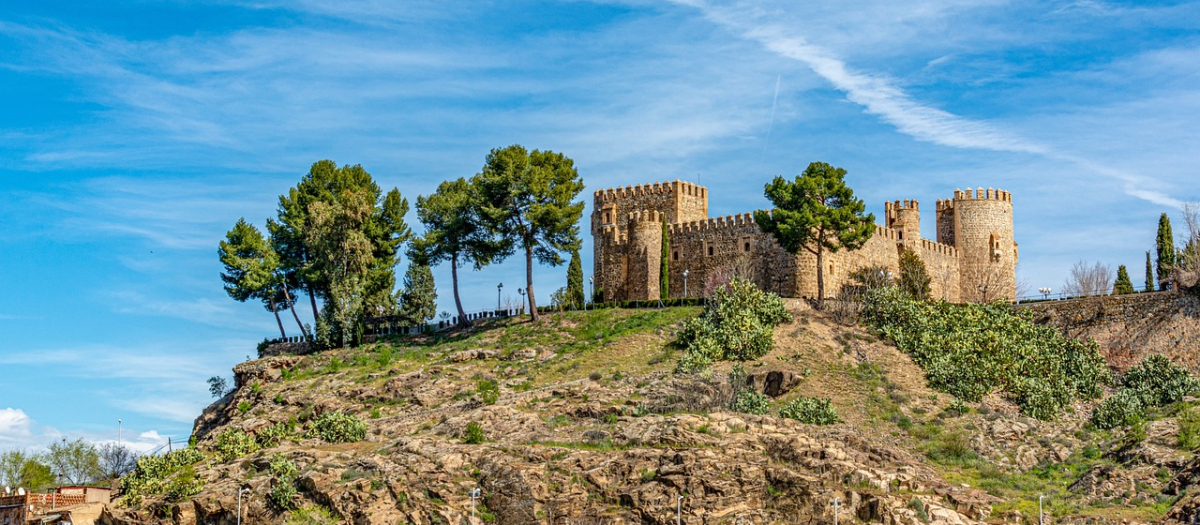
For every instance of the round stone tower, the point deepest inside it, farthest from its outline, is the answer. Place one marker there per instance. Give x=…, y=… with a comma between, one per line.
x=645, y=255
x=905, y=218
x=983, y=234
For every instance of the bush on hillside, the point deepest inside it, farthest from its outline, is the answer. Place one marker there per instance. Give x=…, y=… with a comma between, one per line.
x=973, y=349
x=233, y=444
x=282, y=496
x=737, y=324
x=811, y=410
x=1154, y=382
x=154, y=473
x=338, y=427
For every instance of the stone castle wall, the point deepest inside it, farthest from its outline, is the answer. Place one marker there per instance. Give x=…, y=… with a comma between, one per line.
x=628, y=246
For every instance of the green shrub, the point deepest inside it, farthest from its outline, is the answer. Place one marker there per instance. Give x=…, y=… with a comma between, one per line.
x=1153, y=382
x=1120, y=409
x=273, y=435
x=488, y=390
x=184, y=484
x=745, y=399
x=283, y=489
x=243, y=407
x=737, y=324
x=1189, y=430
x=970, y=350
x=473, y=435
x=338, y=427
x=152, y=474
x=811, y=410
x=233, y=444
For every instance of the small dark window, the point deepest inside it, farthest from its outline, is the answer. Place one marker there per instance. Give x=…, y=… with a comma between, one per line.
x=901, y=235
x=747, y=246
x=607, y=218
x=710, y=251
x=675, y=255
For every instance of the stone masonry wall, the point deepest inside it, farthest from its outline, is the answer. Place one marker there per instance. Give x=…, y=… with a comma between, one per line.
x=983, y=234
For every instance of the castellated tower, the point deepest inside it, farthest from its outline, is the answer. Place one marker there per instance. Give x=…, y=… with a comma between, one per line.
x=979, y=224
x=644, y=255
x=905, y=218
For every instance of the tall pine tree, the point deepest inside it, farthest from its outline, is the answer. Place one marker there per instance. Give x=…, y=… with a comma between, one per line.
x=575, y=281
x=1123, y=285
x=1165, y=245
x=664, y=269
x=1149, y=274
x=418, y=299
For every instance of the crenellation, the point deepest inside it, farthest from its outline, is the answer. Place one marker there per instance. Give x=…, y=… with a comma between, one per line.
x=974, y=248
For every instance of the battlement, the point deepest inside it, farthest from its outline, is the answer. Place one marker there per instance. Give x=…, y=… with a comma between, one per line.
x=713, y=223
x=981, y=194
x=887, y=233
x=612, y=195
x=901, y=205
x=646, y=216
x=939, y=248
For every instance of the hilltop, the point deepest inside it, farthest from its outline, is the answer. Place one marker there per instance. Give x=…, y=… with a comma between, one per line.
x=579, y=418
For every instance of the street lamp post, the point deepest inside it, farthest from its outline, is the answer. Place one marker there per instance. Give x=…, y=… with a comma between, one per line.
x=983, y=289
x=474, y=493
x=679, y=510
x=837, y=505
x=521, y=292
x=685, y=273
x=498, y=287
x=1041, y=519
x=118, y=433
x=240, y=492
x=1045, y=292
x=591, y=291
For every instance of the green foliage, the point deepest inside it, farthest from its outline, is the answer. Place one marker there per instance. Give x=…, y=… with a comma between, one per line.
x=251, y=267
x=282, y=496
x=527, y=200
x=184, y=484
x=914, y=278
x=745, y=399
x=418, y=299
x=1149, y=274
x=816, y=212
x=153, y=474
x=243, y=407
x=1164, y=244
x=311, y=515
x=1122, y=285
x=273, y=435
x=575, y=294
x=1153, y=382
x=234, y=444
x=664, y=267
x=919, y=507
x=811, y=410
x=488, y=391
x=19, y=468
x=454, y=231
x=737, y=324
x=338, y=427
x=970, y=350
x=217, y=386
x=473, y=435
x=1188, y=437
x=75, y=462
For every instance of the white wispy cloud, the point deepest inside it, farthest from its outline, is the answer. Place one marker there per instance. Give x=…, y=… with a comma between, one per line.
x=16, y=427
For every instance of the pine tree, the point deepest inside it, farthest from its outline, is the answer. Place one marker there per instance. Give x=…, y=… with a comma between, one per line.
x=664, y=269
x=1166, y=251
x=914, y=278
x=1149, y=274
x=418, y=299
x=817, y=212
x=1122, y=285
x=575, y=281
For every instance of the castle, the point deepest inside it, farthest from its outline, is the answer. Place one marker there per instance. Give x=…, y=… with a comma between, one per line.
x=973, y=259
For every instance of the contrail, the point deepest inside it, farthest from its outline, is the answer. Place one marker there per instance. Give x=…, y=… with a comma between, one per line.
x=771, y=126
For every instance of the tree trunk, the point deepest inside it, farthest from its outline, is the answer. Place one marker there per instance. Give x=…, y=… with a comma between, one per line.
x=292, y=306
x=820, y=277
x=533, y=313
x=312, y=298
x=277, y=319
x=462, y=316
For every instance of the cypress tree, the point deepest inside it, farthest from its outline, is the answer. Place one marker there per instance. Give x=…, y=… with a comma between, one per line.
x=1123, y=285
x=914, y=277
x=1149, y=274
x=1166, y=251
x=664, y=270
x=575, y=281
x=418, y=300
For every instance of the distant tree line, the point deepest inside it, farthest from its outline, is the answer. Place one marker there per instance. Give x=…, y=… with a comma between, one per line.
x=1175, y=266
x=76, y=462
x=337, y=238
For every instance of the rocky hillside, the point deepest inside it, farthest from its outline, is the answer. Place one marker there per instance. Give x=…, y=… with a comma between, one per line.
x=579, y=419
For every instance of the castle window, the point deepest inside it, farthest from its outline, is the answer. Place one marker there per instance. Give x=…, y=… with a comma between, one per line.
x=675, y=255
x=710, y=250
x=747, y=247
x=607, y=218
x=900, y=235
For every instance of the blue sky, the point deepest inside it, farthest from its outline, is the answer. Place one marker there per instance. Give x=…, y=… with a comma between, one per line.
x=135, y=133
